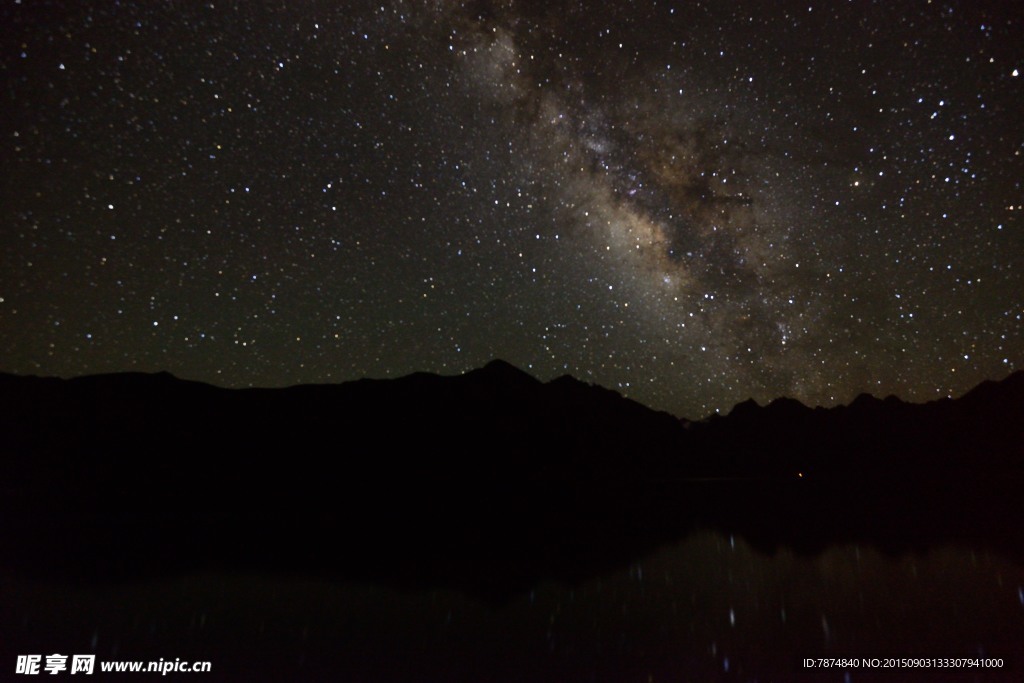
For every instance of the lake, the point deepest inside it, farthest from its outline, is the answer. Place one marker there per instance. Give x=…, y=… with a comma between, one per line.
x=706, y=608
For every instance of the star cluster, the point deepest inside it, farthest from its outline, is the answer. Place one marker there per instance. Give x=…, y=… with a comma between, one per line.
x=693, y=203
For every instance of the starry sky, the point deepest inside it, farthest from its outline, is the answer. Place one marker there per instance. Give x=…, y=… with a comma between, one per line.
x=692, y=203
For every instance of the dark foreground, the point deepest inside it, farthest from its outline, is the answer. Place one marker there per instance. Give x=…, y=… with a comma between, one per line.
x=490, y=527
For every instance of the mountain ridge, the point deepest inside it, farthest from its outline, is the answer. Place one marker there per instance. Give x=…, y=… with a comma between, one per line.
x=489, y=480
x=498, y=369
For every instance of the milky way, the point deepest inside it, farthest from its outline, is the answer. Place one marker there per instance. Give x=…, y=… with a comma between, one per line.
x=691, y=203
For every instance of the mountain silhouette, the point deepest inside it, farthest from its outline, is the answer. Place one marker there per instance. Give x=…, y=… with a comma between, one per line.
x=488, y=481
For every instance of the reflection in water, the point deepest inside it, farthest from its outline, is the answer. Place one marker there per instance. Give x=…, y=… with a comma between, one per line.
x=707, y=608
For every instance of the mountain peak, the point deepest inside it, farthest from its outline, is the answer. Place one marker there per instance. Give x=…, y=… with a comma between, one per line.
x=504, y=371
x=745, y=409
x=499, y=365
x=864, y=400
x=786, y=406
x=1008, y=389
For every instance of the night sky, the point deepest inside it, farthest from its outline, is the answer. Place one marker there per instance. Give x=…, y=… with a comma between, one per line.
x=690, y=202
